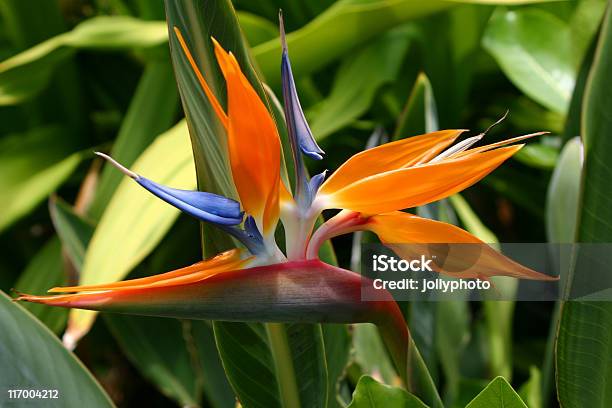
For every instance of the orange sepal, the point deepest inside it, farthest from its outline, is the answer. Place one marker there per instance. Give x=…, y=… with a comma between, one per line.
x=389, y=156
x=225, y=261
x=417, y=185
x=254, y=145
x=464, y=255
x=209, y=93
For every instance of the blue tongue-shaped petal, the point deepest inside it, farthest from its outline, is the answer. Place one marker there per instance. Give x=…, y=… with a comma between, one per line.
x=298, y=128
x=207, y=207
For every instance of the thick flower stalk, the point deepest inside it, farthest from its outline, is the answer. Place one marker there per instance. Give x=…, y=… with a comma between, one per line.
x=259, y=282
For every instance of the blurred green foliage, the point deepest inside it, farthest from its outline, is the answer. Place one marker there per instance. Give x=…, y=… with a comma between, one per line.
x=78, y=76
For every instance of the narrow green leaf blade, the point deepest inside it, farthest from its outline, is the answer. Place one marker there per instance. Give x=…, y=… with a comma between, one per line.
x=44, y=271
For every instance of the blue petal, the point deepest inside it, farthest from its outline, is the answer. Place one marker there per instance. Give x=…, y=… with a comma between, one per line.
x=298, y=128
x=205, y=206
x=315, y=183
x=251, y=229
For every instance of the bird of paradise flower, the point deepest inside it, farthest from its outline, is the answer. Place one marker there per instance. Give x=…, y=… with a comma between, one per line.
x=259, y=282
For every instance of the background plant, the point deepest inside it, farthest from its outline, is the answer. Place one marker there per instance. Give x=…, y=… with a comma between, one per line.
x=79, y=76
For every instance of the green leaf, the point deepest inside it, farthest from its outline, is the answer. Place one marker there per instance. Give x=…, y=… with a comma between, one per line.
x=563, y=194
x=257, y=29
x=358, y=80
x=471, y=221
x=157, y=347
x=274, y=365
x=32, y=166
x=135, y=221
x=531, y=391
x=152, y=111
x=370, y=354
x=498, y=394
x=44, y=271
x=337, y=342
x=584, y=342
x=538, y=155
x=371, y=394
x=74, y=231
x=420, y=113
x=533, y=48
x=338, y=31
x=27, y=73
x=31, y=357
x=216, y=387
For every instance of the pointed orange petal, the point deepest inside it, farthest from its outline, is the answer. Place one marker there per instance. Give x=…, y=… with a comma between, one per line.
x=225, y=261
x=254, y=145
x=418, y=185
x=209, y=93
x=464, y=255
x=389, y=156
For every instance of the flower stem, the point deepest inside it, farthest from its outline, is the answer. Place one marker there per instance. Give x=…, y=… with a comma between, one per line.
x=283, y=362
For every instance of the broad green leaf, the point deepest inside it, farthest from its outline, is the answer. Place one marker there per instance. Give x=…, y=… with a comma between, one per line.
x=157, y=347
x=371, y=355
x=533, y=48
x=32, y=165
x=563, y=194
x=498, y=394
x=338, y=31
x=44, y=271
x=135, y=221
x=152, y=111
x=358, y=80
x=531, y=391
x=371, y=394
x=31, y=357
x=27, y=73
x=74, y=231
x=257, y=29
x=420, y=113
x=584, y=343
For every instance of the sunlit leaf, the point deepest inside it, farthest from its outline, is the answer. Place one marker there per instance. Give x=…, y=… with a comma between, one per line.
x=358, y=80
x=339, y=30
x=27, y=73
x=32, y=166
x=135, y=221
x=533, y=48
x=498, y=394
